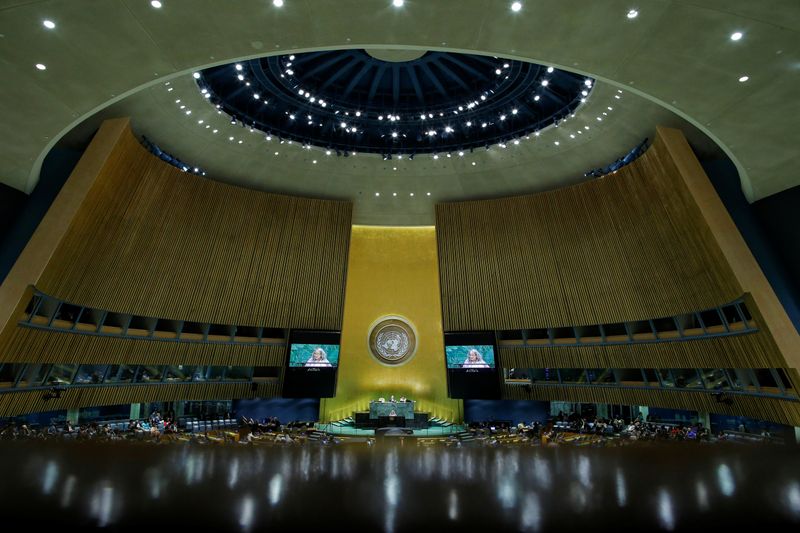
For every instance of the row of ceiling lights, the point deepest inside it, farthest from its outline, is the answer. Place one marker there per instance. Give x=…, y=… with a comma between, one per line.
x=466, y=107
x=515, y=6
x=328, y=152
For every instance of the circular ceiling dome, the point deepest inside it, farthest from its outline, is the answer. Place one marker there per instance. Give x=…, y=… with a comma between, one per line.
x=352, y=101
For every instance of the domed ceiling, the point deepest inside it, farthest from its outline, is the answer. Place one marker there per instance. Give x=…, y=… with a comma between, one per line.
x=355, y=101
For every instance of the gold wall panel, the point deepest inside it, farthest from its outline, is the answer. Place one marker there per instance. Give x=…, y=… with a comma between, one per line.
x=780, y=411
x=152, y=240
x=14, y=403
x=628, y=246
x=392, y=271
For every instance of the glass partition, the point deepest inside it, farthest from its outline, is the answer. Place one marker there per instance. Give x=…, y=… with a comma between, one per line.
x=179, y=373
x=149, y=374
x=686, y=378
x=33, y=375
x=61, y=374
x=90, y=374
x=121, y=374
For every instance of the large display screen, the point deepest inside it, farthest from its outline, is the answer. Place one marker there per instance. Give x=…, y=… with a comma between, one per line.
x=312, y=362
x=314, y=355
x=472, y=361
x=476, y=356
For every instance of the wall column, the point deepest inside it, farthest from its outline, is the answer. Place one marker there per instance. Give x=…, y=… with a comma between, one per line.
x=55, y=224
x=744, y=266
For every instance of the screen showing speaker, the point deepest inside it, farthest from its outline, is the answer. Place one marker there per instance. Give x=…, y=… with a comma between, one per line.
x=475, y=356
x=471, y=363
x=311, y=362
x=314, y=355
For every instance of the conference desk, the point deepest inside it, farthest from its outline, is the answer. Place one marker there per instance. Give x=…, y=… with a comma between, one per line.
x=400, y=409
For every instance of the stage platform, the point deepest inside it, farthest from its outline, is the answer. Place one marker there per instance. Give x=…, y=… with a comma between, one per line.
x=348, y=428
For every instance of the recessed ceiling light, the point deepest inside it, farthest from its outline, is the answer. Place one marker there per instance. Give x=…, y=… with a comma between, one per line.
x=196, y=75
x=411, y=194
x=314, y=161
x=545, y=83
x=377, y=194
x=398, y=3
x=632, y=14
x=49, y=24
x=744, y=78
x=474, y=163
x=735, y=36
x=156, y=4
x=516, y=6
x=550, y=70
x=277, y=3
x=556, y=143
x=41, y=66
x=429, y=194
x=394, y=193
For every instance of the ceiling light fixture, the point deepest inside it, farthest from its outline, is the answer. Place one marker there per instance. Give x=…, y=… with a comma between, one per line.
x=156, y=4
x=49, y=24
x=398, y=3
x=277, y=3
x=632, y=14
x=40, y=66
x=516, y=6
x=735, y=36
x=744, y=78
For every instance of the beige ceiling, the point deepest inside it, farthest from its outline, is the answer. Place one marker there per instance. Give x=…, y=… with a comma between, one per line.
x=675, y=53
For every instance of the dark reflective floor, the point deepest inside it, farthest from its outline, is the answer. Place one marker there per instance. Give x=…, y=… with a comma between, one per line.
x=391, y=488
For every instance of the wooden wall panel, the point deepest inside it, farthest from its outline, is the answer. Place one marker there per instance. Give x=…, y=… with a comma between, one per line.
x=754, y=350
x=154, y=241
x=31, y=401
x=780, y=411
x=29, y=345
x=624, y=247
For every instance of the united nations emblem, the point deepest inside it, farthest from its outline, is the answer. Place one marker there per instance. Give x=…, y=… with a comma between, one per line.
x=392, y=340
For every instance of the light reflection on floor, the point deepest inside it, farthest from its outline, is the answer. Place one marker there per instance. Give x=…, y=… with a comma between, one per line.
x=395, y=489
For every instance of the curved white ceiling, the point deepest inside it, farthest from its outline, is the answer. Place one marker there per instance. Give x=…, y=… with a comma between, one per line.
x=676, y=53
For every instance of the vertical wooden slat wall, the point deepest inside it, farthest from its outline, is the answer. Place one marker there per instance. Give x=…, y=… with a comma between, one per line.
x=624, y=247
x=155, y=241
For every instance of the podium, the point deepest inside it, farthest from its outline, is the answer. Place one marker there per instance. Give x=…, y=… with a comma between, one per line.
x=385, y=409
